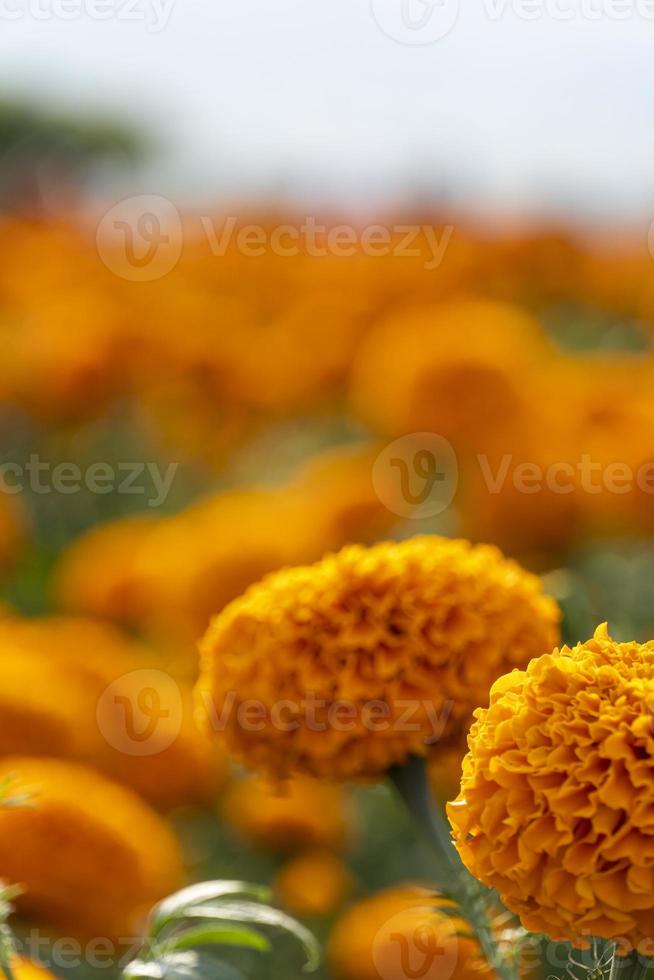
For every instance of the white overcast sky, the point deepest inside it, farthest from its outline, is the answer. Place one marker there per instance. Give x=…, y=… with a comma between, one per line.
x=312, y=98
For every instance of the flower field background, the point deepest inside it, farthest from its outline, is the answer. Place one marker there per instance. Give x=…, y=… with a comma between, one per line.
x=168, y=443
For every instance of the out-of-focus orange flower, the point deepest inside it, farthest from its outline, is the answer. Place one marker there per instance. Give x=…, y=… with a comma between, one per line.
x=444, y=768
x=401, y=930
x=313, y=884
x=612, y=418
x=334, y=492
x=297, y=814
x=62, y=354
x=428, y=620
x=522, y=492
x=458, y=369
x=193, y=564
x=534, y=266
x=24, y=969
x=91, y=855
x=77, y=688
x=95, y=576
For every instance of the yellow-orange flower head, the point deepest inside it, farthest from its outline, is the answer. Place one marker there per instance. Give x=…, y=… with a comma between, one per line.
x=400, y=932
x=301, y=813
x=555, y=809
x=92, y=857
x=314, y=884
x=345, y=668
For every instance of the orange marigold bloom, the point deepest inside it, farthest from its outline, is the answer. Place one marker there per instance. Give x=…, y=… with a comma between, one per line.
x=96, y=576
x=313, y=884
x=555, y=809
x=457, y=369
x=77, y=688
x=370, y=655
x=401, y=932
x=333, y=494
x=92, y=856
x=196, y=562
x=444, y=769
x=24, y=969
x=300, y=813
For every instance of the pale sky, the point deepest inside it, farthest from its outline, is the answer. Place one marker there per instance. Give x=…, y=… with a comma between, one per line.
x=311, y=98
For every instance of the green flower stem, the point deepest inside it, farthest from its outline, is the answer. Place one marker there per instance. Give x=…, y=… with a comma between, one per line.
x=470, y=895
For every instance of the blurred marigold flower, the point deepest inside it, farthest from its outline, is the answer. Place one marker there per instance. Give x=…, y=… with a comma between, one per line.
x=91, y=855
x=404, y=931
x=62, y=354
x=313, y=884
x=193, y=564
x=444, y=770
x=369, y=656
x=457, y=369
x=299, y=813
x=56, y=673
x=555, y=809
x=334, y=493
x=95, y=575
x=24, y=969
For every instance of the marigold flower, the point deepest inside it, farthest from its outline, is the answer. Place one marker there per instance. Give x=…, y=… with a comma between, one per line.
x=444, y=770
x=401, y=930
x=62, y=353
x=56, y=673
x=333, y=494
x=457, y=369
x=96, y=576
x=301, y=813
x=92, y=856
x=555, y=809
x=24, y=969
x=313, y=884
x=196, y=562
x=369, y=656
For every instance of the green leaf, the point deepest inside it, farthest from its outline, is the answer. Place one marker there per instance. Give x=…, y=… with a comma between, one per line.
x=176, y=906
x=262, y=915
x=206, y=935
x=182, y=966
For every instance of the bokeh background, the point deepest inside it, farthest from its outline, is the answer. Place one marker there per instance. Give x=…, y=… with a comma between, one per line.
x=198, y=387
